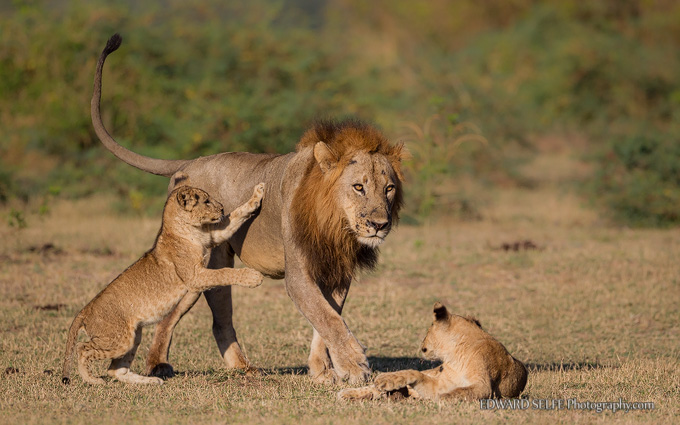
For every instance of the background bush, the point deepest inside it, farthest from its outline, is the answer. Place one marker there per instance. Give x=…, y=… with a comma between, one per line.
x=469, y=86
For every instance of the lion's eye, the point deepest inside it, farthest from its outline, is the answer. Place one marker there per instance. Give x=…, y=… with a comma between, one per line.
x=358, y=187
x=389, y=188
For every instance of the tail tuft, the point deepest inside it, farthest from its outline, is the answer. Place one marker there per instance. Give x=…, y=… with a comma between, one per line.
x=113, y=44
x=65, y=380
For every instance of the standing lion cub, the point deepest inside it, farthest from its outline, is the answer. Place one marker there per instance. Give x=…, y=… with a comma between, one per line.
x=149, y=289
x=475, y=366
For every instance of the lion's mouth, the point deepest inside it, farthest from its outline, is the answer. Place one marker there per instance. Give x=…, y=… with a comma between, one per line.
x=372, y=241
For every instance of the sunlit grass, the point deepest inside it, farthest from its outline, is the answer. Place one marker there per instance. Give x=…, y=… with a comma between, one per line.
x=592, y=312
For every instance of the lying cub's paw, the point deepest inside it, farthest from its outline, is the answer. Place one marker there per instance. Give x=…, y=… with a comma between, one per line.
x=364, y=393
x=391, y=381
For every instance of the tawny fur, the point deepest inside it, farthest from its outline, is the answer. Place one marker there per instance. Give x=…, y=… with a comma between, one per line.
x=149, y=289
x=320, y=225
x=328, y=207
x=475, y=366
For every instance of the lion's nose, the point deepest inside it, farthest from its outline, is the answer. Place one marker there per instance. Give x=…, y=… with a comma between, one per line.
x=378, y=225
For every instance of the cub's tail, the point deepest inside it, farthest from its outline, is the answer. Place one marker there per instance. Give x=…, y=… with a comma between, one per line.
x=70, y=344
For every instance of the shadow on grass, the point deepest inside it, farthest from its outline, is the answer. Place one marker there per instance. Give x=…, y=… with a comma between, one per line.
x=378, y=364
x=291, y=370
x=391, y=364
x=565, y=367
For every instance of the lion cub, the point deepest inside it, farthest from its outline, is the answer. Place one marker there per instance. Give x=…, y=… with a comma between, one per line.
x=475, y=366
x=149, y=289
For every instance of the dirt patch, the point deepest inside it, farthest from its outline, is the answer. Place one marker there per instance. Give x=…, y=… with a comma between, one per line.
x=525, y=245
x=50, y=307
x=46, y=248
x=12, y=371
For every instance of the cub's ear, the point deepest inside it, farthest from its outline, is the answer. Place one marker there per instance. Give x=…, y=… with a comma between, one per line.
x=440, y=311
x=187, y=198
x=324, y=157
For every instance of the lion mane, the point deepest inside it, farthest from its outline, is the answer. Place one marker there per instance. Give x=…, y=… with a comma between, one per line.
x=320, y=229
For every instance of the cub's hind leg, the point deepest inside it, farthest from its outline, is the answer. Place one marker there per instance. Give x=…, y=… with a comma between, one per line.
x=117, y=341
x=120, y=367
x=475, y=391
x=98, y=349
x=87, y=352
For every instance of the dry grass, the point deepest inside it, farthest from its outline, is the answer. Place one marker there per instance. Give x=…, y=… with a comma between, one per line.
x=593, y=311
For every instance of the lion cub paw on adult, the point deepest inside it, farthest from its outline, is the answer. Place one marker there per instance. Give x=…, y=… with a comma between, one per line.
x=147, y=291
x=474, y=366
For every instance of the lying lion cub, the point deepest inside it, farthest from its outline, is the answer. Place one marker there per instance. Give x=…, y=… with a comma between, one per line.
x=475, y=366
x=149, y=289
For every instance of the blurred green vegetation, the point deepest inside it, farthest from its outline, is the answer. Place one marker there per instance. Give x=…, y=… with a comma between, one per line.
x=468, y=85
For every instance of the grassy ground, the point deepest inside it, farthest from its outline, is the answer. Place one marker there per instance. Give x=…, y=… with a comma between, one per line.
x=593, y=311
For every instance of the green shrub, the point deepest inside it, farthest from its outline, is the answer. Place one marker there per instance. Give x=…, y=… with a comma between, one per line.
x=639, y=178
x=196, y=78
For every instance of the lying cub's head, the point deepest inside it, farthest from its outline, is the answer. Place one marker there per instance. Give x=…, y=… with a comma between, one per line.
x=197, y=205
x=445, y=332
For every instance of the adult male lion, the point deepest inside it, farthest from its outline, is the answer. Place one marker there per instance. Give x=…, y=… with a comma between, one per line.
x=327, y=208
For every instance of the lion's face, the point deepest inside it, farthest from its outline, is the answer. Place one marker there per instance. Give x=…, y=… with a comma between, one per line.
x=199, y=207
x=365, y=192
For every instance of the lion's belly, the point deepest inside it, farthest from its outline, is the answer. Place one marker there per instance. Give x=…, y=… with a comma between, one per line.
x=261, y=248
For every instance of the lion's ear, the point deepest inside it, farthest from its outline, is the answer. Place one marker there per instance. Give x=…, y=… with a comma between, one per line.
x=440, y=312
x=186, y=198
x=324, y=157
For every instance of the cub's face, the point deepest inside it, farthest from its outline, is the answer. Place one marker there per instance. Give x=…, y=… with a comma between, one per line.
x=444, y=332
x=200, y=207
x=366, y=192
x=434, y=344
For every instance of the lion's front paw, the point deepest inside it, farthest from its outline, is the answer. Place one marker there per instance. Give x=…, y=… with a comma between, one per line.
x=394, y=380
x=326, y=377
x=250, y=278
x=351, y=364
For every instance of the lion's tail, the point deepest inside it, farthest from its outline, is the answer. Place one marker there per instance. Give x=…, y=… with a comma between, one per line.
x=161, y=167
x=70, y=344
